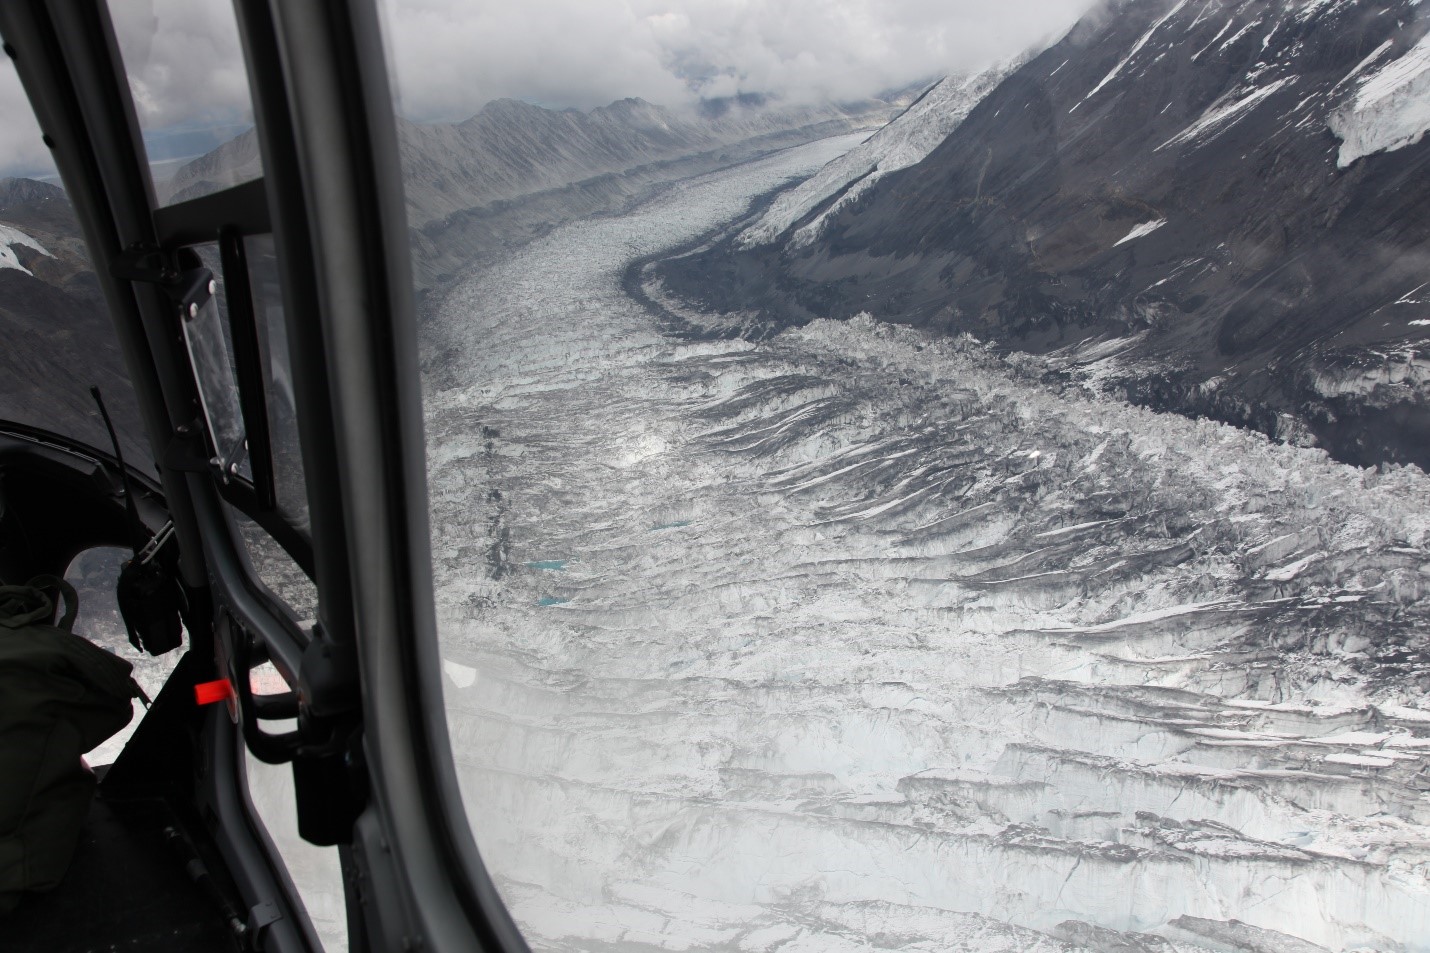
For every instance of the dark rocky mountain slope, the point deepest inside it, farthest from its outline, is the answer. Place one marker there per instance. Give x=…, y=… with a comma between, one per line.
x=54, y=325
x=1220, y=207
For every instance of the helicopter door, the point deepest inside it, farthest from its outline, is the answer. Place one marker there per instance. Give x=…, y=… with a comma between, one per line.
x=268, y=325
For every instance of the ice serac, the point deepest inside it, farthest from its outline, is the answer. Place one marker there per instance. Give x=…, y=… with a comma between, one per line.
x=1281, y=145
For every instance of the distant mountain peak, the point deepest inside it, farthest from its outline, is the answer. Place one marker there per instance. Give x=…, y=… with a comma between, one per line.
x=22, y=191
x=506, y=106
x=630, y=102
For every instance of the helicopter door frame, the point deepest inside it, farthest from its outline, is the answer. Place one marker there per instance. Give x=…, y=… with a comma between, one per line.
x=65, y=56
x=414, y=858
x=367, y=677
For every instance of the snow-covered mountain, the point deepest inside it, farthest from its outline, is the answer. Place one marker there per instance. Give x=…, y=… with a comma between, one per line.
x=1215, y=206
x=906, y=140
x=514, y=170
x=510, y=148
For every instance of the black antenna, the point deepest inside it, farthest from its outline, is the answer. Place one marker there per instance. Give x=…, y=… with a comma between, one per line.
x=140, y=537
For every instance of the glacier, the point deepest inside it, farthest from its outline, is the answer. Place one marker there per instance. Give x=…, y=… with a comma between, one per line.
x=859, y=637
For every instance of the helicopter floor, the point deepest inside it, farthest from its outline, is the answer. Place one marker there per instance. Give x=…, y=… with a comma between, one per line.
x=126, y=889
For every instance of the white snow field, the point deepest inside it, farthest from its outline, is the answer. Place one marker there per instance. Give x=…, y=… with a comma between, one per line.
x=863, y=639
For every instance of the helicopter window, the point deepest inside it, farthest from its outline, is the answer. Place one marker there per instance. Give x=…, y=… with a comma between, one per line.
x=291, y=495
x=191, y=94
x=239, y=354
x=94, y=574
x=916, y=537
x=316, y=871
x=276, y=569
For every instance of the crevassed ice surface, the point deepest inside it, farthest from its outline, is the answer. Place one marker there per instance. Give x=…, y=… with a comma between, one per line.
x=858, y=638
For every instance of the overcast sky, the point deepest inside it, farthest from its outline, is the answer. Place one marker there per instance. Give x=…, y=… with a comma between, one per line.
x=451, y=56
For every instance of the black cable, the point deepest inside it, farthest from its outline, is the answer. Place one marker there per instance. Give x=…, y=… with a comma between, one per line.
x=140, y=535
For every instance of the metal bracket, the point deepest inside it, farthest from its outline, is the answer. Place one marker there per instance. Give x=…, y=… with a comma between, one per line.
x=145, y=263
x=261, y=915
x=185, y=452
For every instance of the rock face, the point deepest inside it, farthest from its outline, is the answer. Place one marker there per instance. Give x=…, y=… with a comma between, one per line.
x=1213, y=206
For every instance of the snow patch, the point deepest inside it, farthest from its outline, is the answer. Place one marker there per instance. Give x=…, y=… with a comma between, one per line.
x=1136, y=48
x=1146, y=228
x=11, y=236
x=1223, y=113
x=1219, y=35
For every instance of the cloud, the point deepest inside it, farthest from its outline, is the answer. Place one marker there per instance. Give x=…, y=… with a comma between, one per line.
x=21, y=150
x=185, y=70
x=449, y=57
x=184, y=61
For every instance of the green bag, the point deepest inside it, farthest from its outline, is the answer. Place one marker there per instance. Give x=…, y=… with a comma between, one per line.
x=60, y=696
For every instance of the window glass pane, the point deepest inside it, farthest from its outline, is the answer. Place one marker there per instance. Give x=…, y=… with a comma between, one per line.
x=186, y=74
x=277, y=570
x=208, y=341
x=316, y=871
x=95, y=575
x=267, y=291
x=993, y=519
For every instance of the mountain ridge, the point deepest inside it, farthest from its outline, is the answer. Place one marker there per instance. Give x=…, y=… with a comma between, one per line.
x=511, y=148
x=515, y=168
x=1156, y=203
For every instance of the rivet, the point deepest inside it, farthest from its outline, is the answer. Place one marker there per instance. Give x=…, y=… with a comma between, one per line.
x=213, y=286
x=193, y=310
